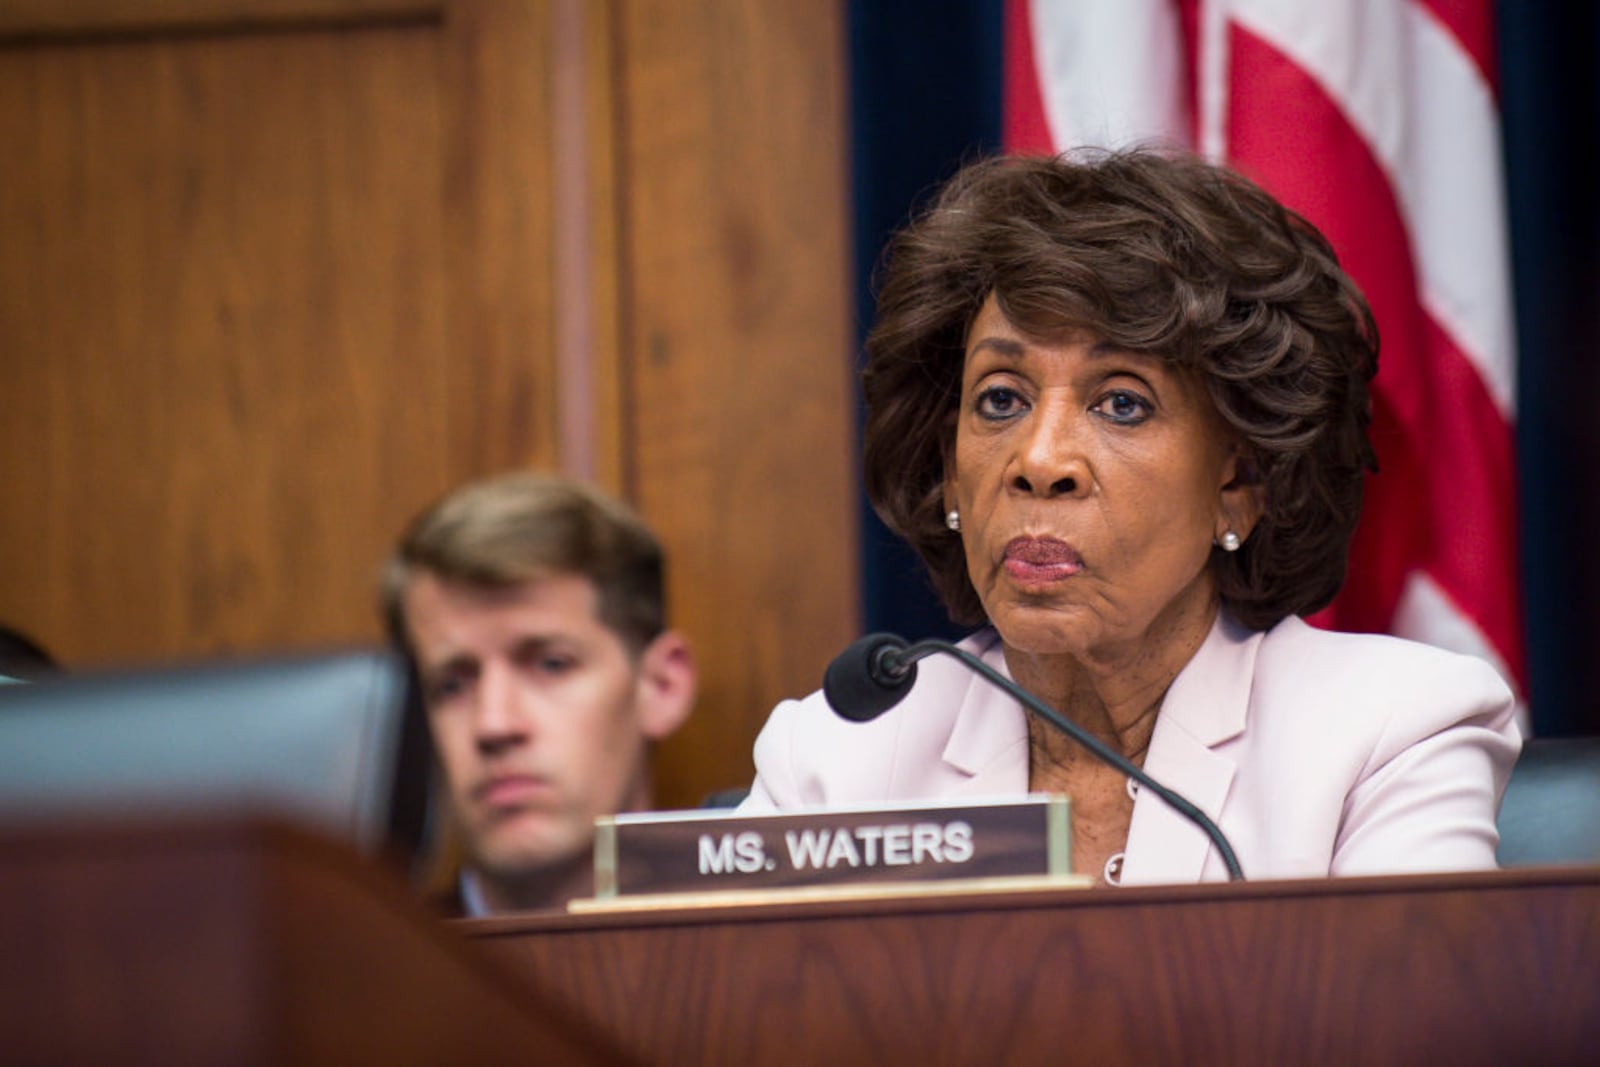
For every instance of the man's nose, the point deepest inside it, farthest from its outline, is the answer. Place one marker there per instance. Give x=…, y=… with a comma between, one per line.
x=500, y=714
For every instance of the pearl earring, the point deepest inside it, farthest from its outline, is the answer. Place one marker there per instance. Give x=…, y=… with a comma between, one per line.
x=952, y=519
x=1230, y=541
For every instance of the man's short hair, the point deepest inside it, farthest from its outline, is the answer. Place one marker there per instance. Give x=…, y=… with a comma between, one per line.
x=513, y=528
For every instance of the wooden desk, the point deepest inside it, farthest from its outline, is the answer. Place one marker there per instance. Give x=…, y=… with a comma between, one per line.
x=245, y=943
x=1494, y=968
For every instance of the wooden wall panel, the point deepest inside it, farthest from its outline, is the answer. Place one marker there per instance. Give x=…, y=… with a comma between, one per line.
x=499, y=206
x=265, y=294
x=737, y=328
x=81, y=19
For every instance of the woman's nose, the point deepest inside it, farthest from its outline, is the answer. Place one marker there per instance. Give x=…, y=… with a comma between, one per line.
x=1050, y=457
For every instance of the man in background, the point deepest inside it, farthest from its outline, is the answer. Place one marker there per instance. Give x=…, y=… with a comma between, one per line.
x=532, y=609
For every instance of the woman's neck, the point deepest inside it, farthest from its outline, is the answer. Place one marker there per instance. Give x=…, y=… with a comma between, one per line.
x=1116, y=694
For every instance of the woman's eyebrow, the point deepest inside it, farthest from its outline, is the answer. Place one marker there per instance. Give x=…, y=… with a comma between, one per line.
x=1011, y=348
x=1002, y=346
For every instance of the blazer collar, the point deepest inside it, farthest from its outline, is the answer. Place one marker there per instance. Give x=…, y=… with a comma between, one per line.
x=1206, y=705
x=1210, y=697
x=988, y=744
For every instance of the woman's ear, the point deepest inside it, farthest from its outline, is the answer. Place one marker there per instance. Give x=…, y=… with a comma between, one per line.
x=668, y=680
x=948, y=491
x=1244, y=497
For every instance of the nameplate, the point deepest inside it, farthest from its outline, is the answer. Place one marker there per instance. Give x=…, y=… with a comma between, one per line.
x=680, y=852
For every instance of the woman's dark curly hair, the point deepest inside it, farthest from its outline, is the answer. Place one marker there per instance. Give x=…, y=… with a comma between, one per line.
x=1152, y=252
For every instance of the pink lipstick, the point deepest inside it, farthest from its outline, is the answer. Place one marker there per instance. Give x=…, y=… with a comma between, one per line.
x=1041, y=559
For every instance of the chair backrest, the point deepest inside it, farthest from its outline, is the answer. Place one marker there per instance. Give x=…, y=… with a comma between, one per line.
x=726, y=798
x=1551, y=811
x=327, y=739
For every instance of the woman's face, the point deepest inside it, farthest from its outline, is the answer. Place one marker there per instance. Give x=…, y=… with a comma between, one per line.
x=1091, y=483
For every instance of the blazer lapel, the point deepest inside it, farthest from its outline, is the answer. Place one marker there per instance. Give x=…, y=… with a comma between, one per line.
x=987, y=751
x=1205, y=706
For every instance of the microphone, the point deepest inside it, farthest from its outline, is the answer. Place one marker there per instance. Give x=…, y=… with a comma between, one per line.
x=869, y=677
x=875, y=673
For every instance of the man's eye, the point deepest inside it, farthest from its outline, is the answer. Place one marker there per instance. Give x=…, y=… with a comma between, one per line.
x=538, y=658
x=1121, y=406
x=443, y=689
x=999, y=402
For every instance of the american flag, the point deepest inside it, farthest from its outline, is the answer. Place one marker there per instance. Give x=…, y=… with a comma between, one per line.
x=1379, y=121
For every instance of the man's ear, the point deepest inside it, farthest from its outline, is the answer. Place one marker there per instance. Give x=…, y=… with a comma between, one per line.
x=667, y=684
x=1244, y=497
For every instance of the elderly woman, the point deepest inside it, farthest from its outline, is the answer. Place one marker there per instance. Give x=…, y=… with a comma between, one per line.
x=1119, y=407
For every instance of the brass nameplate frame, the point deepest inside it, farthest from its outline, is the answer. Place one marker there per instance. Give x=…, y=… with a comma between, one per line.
x=688, y=853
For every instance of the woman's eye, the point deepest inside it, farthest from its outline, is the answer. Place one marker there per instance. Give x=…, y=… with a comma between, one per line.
x=1124, y=407
x=999, y=402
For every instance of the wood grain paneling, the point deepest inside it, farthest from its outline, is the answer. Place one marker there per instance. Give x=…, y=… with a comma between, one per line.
x=106, y=18
x=503, y=389
x=588, y=277
x=222, y=261
x=731, y=118
x=195, y=944
x=1484, y=968
x=265, y=295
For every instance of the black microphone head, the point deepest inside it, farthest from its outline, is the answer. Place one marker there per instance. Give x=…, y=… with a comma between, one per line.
x=859, y=686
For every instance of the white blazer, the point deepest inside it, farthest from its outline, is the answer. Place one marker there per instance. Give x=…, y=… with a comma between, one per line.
x=1316, y=753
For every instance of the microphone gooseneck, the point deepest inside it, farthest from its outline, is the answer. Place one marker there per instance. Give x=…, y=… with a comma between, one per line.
x=877, y=671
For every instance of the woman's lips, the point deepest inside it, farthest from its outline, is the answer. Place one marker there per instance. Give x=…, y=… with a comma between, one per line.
x=1040, y=559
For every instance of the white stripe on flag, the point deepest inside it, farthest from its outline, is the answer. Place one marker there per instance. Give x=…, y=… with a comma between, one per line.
x=1110, y=72
x=1211, y=79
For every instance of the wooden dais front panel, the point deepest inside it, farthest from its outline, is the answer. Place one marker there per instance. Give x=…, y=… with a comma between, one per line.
x=1489, y=968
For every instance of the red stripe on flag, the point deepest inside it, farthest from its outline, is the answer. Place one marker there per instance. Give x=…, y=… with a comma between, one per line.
x=1471, y=23
x=1444, y=503
x=1473, y=551
x=1443, y=447
x=1189, y=29
x=1025, y=129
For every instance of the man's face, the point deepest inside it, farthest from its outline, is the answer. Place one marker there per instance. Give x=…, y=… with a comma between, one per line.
x=539, y=714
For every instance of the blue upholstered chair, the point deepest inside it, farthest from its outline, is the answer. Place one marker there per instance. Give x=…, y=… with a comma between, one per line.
x=1551, y=812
